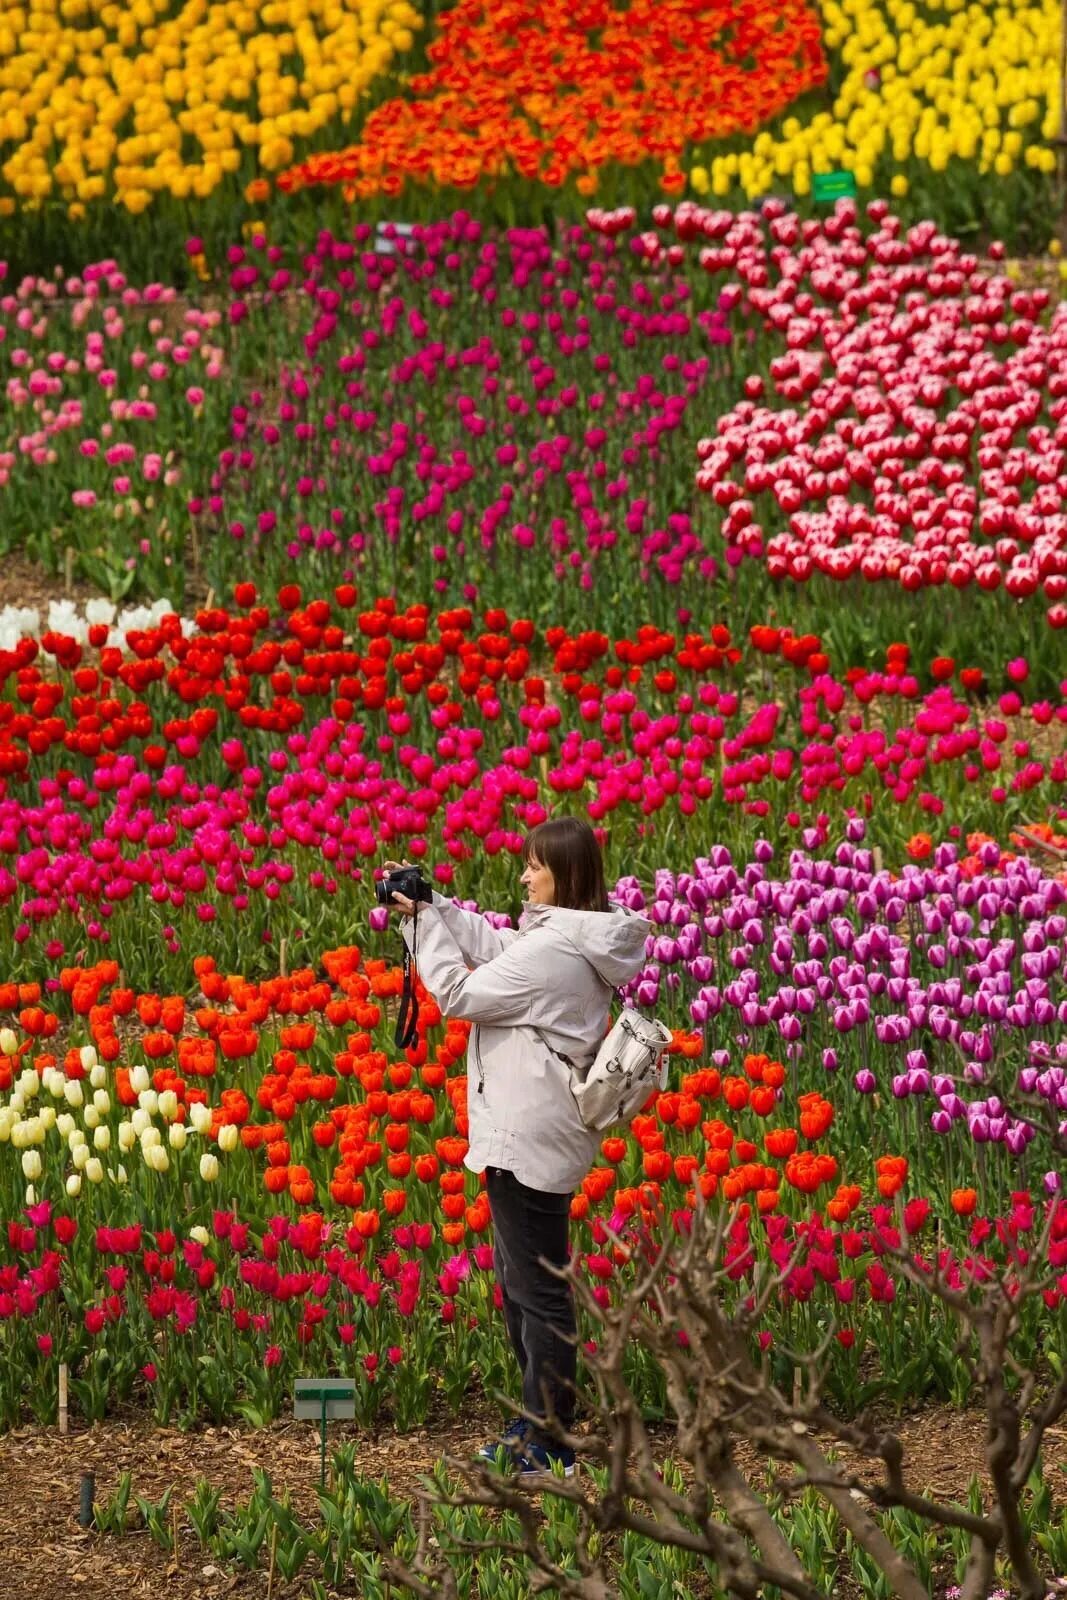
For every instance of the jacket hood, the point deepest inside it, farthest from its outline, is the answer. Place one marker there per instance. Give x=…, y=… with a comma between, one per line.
x=613, y=942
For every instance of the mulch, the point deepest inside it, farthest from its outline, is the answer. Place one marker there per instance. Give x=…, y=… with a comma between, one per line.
x=44, y=1554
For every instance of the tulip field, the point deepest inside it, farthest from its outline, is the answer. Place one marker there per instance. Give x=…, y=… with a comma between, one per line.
x=464, y=415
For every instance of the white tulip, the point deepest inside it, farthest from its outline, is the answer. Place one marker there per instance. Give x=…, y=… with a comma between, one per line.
x=8, y=1041
x=168, y=1105
x=102, y=1101
x=74, y=1185
x=79, y=1157
x=17, y=1102
x=177, y=1135
x=29, y=1083
x=31, y=1165
x=31, y=1195
x=19, y=1135
x=209, y=1167
x=72, y=1093
x=91, y=1118
x=229, y=1134
x=200, y=1234
x=140, y=1121
x=156, y=1157
x=127, y=1136
x=98, y=1076
x=148, y=1100
x=76, y=1139
x=94, y=1170
x=37, y=1131
x=120, y=1175
x=200, y=1117
x=139, y=1079
x=54, y=1081
x=88, y=1057
x=65, y=1124
x=102, y=1137
x=47, y=1117
x=7, y=1122
x=151, y=1137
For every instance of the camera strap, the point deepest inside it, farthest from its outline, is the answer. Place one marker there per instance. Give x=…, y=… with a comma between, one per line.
x=407, y=1022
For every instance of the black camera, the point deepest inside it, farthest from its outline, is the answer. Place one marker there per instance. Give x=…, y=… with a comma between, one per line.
x=407, y=881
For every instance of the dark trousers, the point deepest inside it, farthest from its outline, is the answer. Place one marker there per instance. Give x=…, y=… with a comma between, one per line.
x=538, y=1308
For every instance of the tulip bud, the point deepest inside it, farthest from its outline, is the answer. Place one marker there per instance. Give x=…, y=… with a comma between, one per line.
x=102, y=1101
x=168, y=1105
x=140, y=1121
x=8, y=1041
x=127, y=1136
x=79, y=1156
x=151, y=1136
x=74, y=1185
x=156, y=1158
x=200, y=1234
x=229, y=1134
x=72, y=1093
x=148, y=1101
x=98, y=1076
x=88, y=1057
x=139, y=1079
x=54, y=1081
x=209, y=1167
x=91, y=1118
x=200, y=1117
x=65, y=1124
x=177, y=1135
x=102, y=1137
x=31, y=1165
x=47, y=1118
x=19, y=1140
x=17, y=1102
x=29, y=1083
x=94, y=1170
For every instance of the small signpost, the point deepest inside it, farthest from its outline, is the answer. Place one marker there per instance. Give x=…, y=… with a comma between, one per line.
x=324, y=1400
x=831, y=186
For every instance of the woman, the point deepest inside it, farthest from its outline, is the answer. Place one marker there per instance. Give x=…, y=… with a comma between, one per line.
x=539, y=998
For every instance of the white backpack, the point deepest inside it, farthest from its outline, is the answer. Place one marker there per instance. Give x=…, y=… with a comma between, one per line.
x=630, y=1063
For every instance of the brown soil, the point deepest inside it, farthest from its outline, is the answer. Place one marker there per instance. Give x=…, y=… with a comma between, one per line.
x=27, y=583
x=47, y=1556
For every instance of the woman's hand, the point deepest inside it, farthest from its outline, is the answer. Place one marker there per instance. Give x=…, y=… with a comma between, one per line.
x=400, y=902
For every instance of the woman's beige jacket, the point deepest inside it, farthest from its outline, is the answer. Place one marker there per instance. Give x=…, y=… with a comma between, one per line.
x=530, y=992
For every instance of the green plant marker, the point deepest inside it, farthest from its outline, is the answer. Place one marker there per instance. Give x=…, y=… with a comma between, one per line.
x=324, y=1399
x=830, y=186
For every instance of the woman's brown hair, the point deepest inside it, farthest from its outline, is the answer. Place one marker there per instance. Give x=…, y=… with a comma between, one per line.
x=568, y=847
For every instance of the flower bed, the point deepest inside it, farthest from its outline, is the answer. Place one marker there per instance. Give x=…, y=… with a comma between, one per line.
x=551, y=92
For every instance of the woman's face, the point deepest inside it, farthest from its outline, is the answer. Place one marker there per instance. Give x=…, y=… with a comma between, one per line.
x=539, y=884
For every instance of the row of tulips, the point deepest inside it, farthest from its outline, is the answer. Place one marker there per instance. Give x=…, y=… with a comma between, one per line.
x=241, y=1113
x=953, y=111
x=250, y=771
x=423, y=417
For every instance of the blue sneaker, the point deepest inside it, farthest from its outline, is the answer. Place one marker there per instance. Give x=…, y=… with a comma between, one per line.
x=539, y=1460
x=511, y=1442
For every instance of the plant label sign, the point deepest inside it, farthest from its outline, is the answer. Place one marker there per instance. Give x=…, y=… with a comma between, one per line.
x=829, y=186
